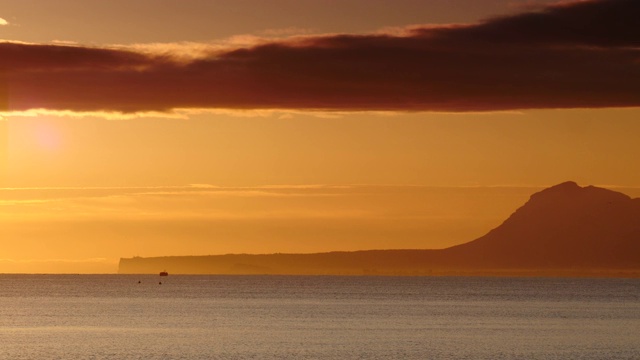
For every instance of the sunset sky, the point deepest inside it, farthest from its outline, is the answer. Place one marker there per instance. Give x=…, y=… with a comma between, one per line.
x=193, y=127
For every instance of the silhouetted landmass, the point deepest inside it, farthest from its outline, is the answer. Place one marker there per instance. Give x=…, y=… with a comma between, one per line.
x=565, y=230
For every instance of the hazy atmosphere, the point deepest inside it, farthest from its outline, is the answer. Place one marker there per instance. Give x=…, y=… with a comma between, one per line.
x=215, y=127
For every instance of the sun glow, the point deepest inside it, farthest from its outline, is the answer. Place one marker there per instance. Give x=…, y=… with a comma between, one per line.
x=419, y=123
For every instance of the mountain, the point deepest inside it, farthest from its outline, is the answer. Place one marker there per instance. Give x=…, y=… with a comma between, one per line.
x=562, y=230
x=565, y=226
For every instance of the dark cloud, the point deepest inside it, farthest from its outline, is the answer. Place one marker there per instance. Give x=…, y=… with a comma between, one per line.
x=571, y=55
x=612, y=23
x=18, y=57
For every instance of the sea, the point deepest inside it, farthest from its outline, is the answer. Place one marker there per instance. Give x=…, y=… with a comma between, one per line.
x=317, y=317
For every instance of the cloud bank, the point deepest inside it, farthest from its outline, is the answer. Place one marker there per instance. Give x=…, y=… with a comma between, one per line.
x=581, y=54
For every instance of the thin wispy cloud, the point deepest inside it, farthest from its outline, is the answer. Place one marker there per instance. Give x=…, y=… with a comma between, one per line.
x=3, y=22
x=580, y=54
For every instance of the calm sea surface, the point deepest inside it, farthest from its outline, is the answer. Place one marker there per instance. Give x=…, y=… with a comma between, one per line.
x=299, y=317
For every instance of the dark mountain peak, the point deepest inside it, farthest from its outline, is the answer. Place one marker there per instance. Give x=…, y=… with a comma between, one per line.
x=566, y=202
x=565, y=186
x=570, y=194
x=564, y=225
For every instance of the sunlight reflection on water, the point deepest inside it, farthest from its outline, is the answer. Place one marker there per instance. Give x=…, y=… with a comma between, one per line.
x=296, y=317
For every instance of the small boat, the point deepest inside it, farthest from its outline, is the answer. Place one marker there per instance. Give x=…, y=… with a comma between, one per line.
x=164, y=273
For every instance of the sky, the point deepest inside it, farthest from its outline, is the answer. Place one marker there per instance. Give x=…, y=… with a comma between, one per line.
x=192, y=127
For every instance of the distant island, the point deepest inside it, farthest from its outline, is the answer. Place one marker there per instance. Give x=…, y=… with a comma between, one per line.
x=564, y=230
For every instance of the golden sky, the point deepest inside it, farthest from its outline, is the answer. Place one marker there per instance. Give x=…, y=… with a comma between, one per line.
x=206, y=127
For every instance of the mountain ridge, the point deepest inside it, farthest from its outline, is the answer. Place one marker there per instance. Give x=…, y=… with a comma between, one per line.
x=561, y=229
x=564, y=225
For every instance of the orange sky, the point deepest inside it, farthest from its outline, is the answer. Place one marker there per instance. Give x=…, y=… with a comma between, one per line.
x=299, y=168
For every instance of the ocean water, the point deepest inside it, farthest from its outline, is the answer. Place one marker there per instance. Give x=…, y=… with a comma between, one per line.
x=317, y=317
